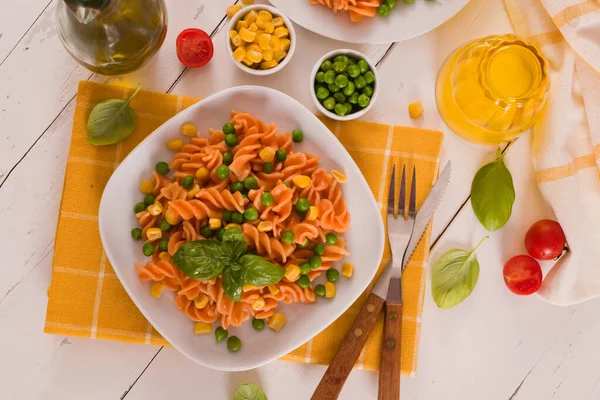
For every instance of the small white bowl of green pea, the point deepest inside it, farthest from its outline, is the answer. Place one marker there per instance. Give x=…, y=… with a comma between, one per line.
x=344, y=84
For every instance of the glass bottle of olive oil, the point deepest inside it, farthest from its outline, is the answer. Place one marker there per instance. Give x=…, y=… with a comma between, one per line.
x=111, y=37
x=493, y=89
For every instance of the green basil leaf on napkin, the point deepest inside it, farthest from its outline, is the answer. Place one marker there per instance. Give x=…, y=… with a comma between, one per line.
x=234, y=244
x=233, y=282
x=111, y=121
x=249, y=391
x=260, y=272
x=201, y=259
x=454, y=277
x=493, y=194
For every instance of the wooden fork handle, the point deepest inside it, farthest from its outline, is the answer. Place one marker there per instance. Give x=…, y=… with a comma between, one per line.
x=332, y=382
x=389, y=369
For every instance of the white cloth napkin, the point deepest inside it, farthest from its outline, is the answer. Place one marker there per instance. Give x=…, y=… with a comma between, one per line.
x=566, y=145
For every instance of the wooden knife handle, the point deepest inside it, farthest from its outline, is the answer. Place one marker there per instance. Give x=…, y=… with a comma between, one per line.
x=389, y=369
x=332, y=382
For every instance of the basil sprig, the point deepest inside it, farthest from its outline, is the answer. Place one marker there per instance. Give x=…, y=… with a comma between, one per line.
x=249, y=391
x=111, y=121
x=207, y=259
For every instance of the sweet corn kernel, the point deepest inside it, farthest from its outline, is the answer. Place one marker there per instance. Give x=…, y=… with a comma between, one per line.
x=250, y=17
x=147, y=186
x=239, y=54
x=279, y=55
x=302, y=181
x=265, y=226
x=273, y=289
x=253, y=27
x=232, y=33
x=241, y=24
x=347, y=270
x=268, y=64
x=155, y=209
x=292, y=272
x=267, y=154
x=329, y=290
x=248, y=2
x=254, y=55
x=275, y=43
x=277, y=321
x=277, y=22
x=202, y=328
x=156, y=289
x=265, y=15
x=281, y=32
x=247, y=287
x=415, y=110
x=264, y=41
x=247, y=35
x=285, y=44
x=175, y=144
x=258, y=304
x=214, y=223
x=237, y=41
x=268, y=55
x=164, y=256
x=229, y=226
x=261, y=24
x=232, y=10
x=188, y=129
x=248, y=62
x=340, y=177
x=313, y=213
x=202, y=173
x=154, y=234
x=254, y=47
x=201, y=301
x=269, y=27
x=172, y=217
x=193, y=192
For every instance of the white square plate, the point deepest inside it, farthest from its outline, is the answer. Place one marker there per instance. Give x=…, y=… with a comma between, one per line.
x=365, y=238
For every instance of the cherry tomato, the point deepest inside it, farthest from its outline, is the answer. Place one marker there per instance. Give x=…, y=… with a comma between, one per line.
x=545, y=240
x=194, y=47
x=522, y=275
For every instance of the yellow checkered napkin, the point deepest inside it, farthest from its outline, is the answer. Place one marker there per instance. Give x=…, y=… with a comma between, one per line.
x=85, y=296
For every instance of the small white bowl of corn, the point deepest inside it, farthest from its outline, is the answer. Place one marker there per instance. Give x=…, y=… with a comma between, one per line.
x=261, y=40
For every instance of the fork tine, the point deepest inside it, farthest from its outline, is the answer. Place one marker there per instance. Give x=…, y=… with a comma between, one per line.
x=402, y=200
x=412, y=206
x=391, y=196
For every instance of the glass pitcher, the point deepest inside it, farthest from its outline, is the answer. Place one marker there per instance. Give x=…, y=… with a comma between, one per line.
x=493, y=89
x=111, y=37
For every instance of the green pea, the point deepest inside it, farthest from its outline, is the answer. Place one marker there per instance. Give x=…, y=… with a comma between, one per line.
x=228, y=128
x=148, y=249
x=331, y=238
x=339, y=66
x=222, y=171
x=329, y=77
x=349, y=89
x=348, y=107
x=250, y=183
x=353, y=71
x=236, y=187
x=297, y=136
x=315, y=261
x=363, y=100
x=368, y=90
x=320, y=78
x=136, y=233
x=354, y=98
x=221, y=334
x=322, y=93
x=162, y=168
x=320, y=290
x=266, y=199
x=340, y=109
x=319, y=249
x=244, y=195
x=339, y=97
x=333, y=88
x=302, y=204
x=329, y=103
x=165, y=226
x=369, y=77
x=391, y=3
x=351, y=60
x=360, y=82
x=187, y=182
x=219, y=233
x=341, y=81
x=231, y=140
x=258, y=324
x=340, y=58
x=139, y=207
x=384, y=10
x=304, y=268
x=288, y=237
x=206, y=231
x=281, y=155
x=304, y=281
x=267, y=168
x=326, y=65
x=251, y=214
x=163, y=245
x=363, y=66
x=226, y=215
x=333, y=275
x=234, y=344
x=227, y=157
x=149, y=200
x=305, y=245
x=287, y=185
x=237, y=217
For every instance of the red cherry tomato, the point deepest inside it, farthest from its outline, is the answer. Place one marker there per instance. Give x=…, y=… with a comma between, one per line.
x=522, y=275
x=194, y=47
x=545, y=240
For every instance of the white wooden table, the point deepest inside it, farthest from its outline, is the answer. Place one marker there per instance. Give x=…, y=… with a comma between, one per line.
x=493, y=346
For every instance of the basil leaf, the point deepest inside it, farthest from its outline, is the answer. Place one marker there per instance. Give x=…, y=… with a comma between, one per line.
x=233, y=282
x=249, y=391
x=454, y=277
x=111, y=121
x=493, y=194
x=260, y=272
x=201, y=259
x=234, y=244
